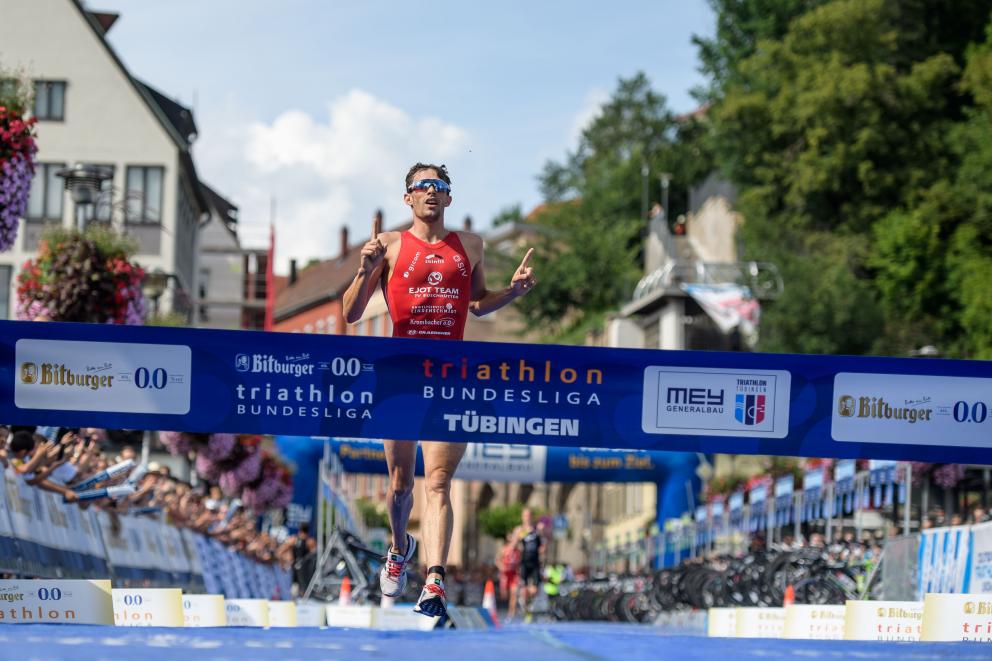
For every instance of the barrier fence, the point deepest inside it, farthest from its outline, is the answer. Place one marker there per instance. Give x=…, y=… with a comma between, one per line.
x=43, y=537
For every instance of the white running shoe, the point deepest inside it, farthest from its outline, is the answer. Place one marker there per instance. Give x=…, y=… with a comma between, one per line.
x=392, y=576
x=433, y=601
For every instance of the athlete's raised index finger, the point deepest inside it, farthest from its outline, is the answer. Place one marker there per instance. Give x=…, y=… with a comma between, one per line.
x=376, y=227
x=526, y=261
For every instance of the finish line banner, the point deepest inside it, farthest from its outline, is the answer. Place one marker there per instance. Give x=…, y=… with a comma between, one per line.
x=324, y=385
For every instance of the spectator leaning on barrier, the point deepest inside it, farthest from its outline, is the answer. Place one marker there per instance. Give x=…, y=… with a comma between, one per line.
x=34, y=460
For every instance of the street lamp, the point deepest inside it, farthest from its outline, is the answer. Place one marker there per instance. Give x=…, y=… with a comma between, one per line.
x=153, y=286
x=666, y=178
x=84, y=183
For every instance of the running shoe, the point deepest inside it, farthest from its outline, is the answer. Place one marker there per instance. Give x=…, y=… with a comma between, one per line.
x=392, y=576
x=432, y=600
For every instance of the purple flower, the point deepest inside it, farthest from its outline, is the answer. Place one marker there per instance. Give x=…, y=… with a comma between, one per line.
x=249, y=468
x=219, y=447
x=15, y=187
x=176, y=442
x=948, y=475
x=229, y=483
x=31, y=310
x=206, y=468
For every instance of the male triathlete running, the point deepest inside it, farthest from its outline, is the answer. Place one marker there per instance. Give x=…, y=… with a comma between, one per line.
x=531, y=552
x=431, y=278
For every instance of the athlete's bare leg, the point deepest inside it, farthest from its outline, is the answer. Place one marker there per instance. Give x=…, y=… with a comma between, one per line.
x=440, y=462
x=401, y=459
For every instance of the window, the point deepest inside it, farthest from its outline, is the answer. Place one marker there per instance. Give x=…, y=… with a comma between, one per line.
x=332, y=324
x=102, y=209
x=144, y=194
x=45, y=201
x=49, y=100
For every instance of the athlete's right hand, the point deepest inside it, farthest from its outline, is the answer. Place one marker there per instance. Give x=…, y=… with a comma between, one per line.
x=373, y=252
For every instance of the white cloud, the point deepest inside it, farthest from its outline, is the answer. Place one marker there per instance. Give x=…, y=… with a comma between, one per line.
x=324, y=172
x=592, y=105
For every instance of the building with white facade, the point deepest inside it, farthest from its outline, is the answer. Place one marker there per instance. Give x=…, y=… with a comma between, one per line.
x=91, y=110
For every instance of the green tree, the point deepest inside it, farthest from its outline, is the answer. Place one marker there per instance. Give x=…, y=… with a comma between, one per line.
x=588, y=254
x=373, y=515
x=835, y=120
x=506, y=215
x=499, y=520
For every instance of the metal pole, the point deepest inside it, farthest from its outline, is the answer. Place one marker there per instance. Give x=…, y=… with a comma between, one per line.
x=986, y=484
x=797, y=511
x=909, y=498
x=829, y=496
x=769, y=521
x=924, y=501
x=645, y=171
x=858, y=486
x=665, y=178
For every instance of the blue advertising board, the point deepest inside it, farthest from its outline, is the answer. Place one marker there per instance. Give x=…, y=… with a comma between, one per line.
x=406, y=389
x=520, y=464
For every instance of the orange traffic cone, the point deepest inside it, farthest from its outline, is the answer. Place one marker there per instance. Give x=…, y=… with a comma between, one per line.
x=790, y=595
x=489, y=601
x=345, y=597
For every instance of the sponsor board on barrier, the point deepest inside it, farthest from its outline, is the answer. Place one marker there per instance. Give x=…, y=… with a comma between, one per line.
x=247, y=612
x=350, y=617
x=148, y=607
x=698, y=401
x=980, y=569
x=204, y=610
x=883, y=620
x=810, y=622
x=760, y=622
x=310, y=614
x=721, y=622
x=26, y=601
x=401, y=618
x=948, y=617
x=912, y=409
x=282, y=614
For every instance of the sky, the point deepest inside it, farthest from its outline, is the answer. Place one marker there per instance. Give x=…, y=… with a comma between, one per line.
x=324, y=105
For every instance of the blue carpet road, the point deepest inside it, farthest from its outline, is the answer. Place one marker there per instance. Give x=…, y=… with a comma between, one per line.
x=547, y=642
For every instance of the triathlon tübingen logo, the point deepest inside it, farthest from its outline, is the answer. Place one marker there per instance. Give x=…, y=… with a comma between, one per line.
x=749, y=409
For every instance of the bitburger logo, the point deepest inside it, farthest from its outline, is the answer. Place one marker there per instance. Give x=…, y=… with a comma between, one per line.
x=878, y=408
x=846, y=406
x=29, y=373
x=56, y=374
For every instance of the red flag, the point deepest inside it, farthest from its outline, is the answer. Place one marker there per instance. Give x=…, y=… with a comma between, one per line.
x=270, y=284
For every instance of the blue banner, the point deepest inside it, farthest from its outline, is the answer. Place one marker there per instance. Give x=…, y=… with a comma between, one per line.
x=497, y=462
x=521, y=464
x=309, y=385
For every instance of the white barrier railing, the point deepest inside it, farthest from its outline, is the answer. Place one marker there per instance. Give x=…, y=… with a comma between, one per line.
x=43, y=537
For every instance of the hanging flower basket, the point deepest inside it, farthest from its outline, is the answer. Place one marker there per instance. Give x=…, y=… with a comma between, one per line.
x=17, y=151
x=82, y=276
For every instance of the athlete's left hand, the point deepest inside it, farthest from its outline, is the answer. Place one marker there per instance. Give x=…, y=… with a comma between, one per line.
x=523, y=279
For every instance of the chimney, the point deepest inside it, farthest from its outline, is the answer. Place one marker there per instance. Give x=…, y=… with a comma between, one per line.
x=292, y=271
x=344, y=241
x=468, y=224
